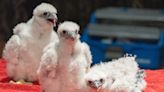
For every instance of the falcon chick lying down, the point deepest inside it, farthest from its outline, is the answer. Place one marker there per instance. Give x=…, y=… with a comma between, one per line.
x=121, y=75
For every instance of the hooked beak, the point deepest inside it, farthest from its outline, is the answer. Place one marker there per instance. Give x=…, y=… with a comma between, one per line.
x=95, y=84
x=52, y=18
x=71, y=35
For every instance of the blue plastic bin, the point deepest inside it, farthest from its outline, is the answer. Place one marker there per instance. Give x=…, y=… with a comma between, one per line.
x=148, y=55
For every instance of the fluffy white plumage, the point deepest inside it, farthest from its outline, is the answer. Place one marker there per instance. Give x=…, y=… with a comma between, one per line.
x=24, y=49
x=64, y=64
x=121, y=75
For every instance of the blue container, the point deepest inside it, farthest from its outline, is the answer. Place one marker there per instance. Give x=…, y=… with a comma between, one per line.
x=148, y=55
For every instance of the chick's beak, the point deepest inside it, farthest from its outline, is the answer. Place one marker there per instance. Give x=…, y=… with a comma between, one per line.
x=97, y=84
x=71, y=35
x=52, y=18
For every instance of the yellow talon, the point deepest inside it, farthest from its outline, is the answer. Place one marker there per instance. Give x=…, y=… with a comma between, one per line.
x=20, y=82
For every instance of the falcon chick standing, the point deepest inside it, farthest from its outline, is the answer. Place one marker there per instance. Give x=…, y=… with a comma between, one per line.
x=24, y=49
x=65, y=72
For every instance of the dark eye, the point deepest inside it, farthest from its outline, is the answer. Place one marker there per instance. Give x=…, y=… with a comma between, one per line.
x=64, y=31
x=101, y=80
x=89, y=82
x=46, y=13
x=76, y=31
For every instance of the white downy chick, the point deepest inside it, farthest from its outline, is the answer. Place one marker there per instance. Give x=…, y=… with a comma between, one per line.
x=116, y=76
x=24, y=49
x=65, y=73
x=97, y=78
